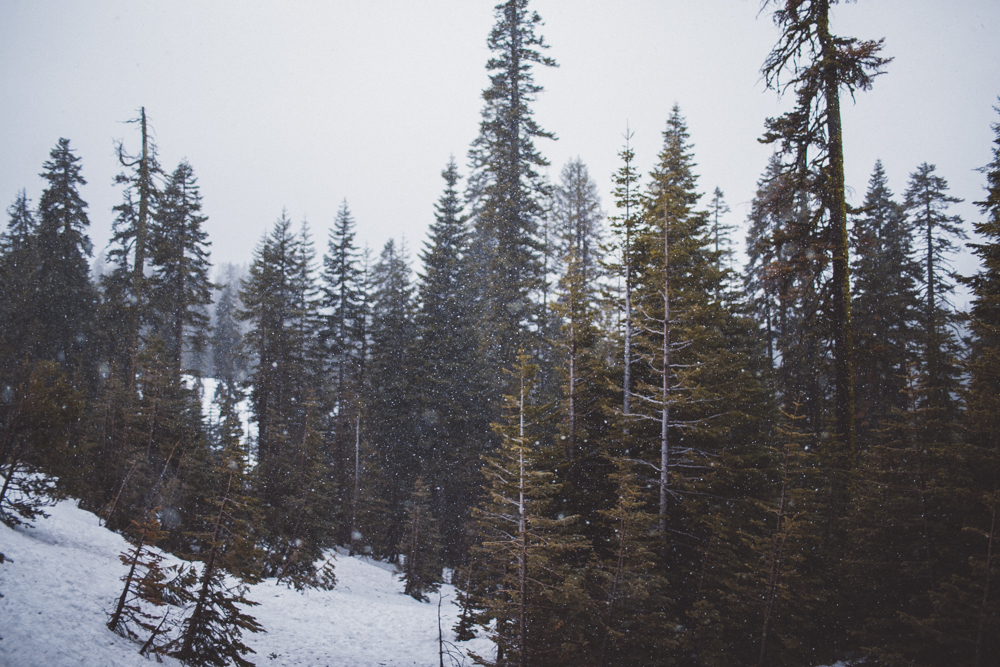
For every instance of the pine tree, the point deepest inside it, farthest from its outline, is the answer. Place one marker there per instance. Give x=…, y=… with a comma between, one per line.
x=638, y=625
x=927, y=202
x=389, y=395
x=625, y=229
x=18, y=264
x=454, y=431
x=180, y=290
x=885, y=306
x=125, y=288
x=343, y=334
x=272, y=306
x=212, y=634
x=36, y=447
x=148, y=586
x=505, y=188
x=62, y=300
x=229, y=358
x=420, y=546
x=531, y=592
x=818, y=65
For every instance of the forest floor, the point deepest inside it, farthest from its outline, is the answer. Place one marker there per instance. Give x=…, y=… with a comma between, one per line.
x=64, y=575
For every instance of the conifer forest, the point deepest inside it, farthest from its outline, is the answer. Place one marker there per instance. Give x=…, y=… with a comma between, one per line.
x=630, y=435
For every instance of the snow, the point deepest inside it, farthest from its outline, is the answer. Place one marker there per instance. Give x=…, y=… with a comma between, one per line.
x=64, y=572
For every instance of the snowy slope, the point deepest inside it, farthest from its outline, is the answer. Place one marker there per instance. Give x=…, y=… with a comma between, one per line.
x=65, y=575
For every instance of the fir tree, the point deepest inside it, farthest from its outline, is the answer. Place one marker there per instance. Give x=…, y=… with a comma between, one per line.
x=578, y=217
x=273, y=307
x=454, y=430
x=720, y=231
x=420, y=546
x=529, y=587
x=505, y=187
x=302, y=524
x=229, y=358
x=148, y=586
x=675, y=282
x=885, y=306
x=344, y=336
x=180, y=290
x=927, y=202
x=818, y=65
x=626, y=228
x=125, y=288
x=389, y=389
x=21, y=225
x=638, y=622
x=18, y=264
x=62, y=301
x=212, y=634
x=36, y=447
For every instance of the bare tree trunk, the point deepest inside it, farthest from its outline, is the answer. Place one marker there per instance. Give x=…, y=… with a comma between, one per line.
x=522, y=616
x=572, y=373
x=116, y=616
x=843, y=335
x=777, y=550
x=357, y=475
x=983, y=616
x=665, y=418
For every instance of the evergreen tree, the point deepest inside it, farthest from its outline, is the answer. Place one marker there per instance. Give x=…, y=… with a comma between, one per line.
x=343, y=334
x=927, y=202
x=578, y=217
x=180, y=290
x=420, y=546
x=287, y=386
x=533, y=597
x=454, y=431
x=271, y=305
x=125, y=288
x=505, y=187
x=638, y=622
x=720, y=231
x=21, y=225
x=229, y=358
x=389, y=394
x=60, y=300
x=885, y=306
x=818, y=65
x=583, y=429
x=36, y=447
x=786, y=575
x=148, y=586
x=908, y=540
x=18, y=264
x=626, y=228
x=212, y=634
x=675, y=283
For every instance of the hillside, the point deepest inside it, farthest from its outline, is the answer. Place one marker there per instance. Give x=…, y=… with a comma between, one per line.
x=64, y=573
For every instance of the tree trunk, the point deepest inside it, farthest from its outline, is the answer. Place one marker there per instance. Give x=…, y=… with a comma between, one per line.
x=843, y=334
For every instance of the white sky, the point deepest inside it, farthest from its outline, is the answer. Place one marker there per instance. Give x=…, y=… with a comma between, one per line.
x=298, y=104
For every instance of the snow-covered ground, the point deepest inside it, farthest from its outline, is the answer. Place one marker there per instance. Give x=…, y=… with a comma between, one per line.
x=64, y=574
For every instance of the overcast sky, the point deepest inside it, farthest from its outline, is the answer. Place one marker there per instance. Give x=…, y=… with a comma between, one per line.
x=299, y=105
